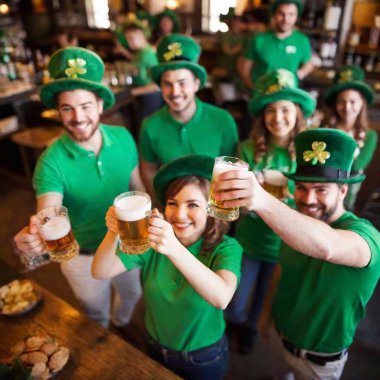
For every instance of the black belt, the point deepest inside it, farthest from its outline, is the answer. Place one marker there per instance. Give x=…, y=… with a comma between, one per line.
x=316, y=359
x=85, y=251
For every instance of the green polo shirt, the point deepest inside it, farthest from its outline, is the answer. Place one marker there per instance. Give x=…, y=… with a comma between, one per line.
x=318, y=304
x=258, y=240
x=88, y=183
x=268, y=52
x=144, y=59
x=176, y=316
x=211, y=131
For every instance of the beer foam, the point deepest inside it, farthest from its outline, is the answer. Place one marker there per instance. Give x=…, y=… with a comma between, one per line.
x=222, y=167
x=55, y=228
x=275, y=178
x=132, y=208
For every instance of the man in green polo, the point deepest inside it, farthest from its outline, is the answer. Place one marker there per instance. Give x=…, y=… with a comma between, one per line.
x=329, y=264
x=84, y=171
x=281, y=47
x=185, y=125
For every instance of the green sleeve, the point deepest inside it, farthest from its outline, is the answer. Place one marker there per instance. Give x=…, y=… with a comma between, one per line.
x=246, y=153
x=133, y=261
x=231, y=137
x=47, y=178
x=146, y=144
x=306, y=51
x=366, y=153
x=228, y=256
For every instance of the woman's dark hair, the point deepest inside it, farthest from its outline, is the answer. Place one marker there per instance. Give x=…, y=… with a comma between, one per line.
x=260, y=135
x=361, y=124
x=215, y=228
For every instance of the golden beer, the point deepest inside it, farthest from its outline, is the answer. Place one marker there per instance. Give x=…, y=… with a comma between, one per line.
x=132, y=211
x=54, y=227
x=276, y=184
x=215, y=208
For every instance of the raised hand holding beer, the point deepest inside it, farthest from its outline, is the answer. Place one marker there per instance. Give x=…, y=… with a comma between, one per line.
x=54, y=227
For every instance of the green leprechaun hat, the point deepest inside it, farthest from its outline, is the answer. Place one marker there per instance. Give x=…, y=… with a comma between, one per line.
x=350, y=77
x=178, y=51
x=324, y=155
x=199, y=165
x=74, y=68
x=276, y=3
x=279, y=85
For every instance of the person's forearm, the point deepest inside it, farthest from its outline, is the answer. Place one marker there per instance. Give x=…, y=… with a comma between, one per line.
x=305, y=70
x=208, y=284
x=105, y=257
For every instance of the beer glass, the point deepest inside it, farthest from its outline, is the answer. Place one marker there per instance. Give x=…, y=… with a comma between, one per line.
x=275, y=183
x=54, y=227
x=132, y=211
x=215, y=208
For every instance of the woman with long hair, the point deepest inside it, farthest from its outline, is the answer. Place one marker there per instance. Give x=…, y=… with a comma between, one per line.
x=189, y=274
x=279, y=108
x=347, y=101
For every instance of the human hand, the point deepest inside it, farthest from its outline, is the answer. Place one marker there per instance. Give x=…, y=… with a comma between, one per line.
x=111, y=220
x=161, y=235
x=238, y=188
x=28, y=241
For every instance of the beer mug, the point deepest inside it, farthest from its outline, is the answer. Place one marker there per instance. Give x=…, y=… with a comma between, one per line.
x=54, y=227
x=132, y=211
x=215, y=208
x=275, y=183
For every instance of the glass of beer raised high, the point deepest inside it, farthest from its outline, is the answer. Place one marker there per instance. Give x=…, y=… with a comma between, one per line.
x=54, y=227
x=214, y=208
x=275, y=183
x=132, y=211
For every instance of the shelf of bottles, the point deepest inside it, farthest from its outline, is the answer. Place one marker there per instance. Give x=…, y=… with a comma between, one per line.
x=321, y=21
x=363, y=47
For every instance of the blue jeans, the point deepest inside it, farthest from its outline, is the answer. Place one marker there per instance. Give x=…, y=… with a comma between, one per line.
x=255, y=276
x=209, y=363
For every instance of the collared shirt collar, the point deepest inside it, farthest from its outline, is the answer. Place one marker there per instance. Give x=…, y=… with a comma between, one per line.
x=76, y=150
x=196, y=117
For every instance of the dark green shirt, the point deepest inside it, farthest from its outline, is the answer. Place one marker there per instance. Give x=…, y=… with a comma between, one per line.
x=268, y=52
x=88, y=183
x=211, y=131
x=258, y=240
x=144, y=59
x=318, y=304
x=176, y=315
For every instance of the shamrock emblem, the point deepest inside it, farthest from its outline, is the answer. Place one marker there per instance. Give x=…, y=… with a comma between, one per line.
x=345, y=76
x=75, y=67
x=317, y=154
x=285, y=78
x=174, y=50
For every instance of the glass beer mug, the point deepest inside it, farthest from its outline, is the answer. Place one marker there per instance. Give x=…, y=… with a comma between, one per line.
x=54, y=227
x=214, y=208
x=133, y=210
x=275, y=183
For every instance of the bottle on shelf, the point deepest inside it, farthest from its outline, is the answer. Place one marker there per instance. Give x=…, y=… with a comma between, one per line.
x=332, y=15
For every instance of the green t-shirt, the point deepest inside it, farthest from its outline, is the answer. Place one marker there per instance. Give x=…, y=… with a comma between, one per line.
x=364, y=158
x=144, y=59
x=231, y=40
x=211, y=131
x=176, y=316
x=88, y=183
x=257, y=238
x=318, y=304
x=268, y=52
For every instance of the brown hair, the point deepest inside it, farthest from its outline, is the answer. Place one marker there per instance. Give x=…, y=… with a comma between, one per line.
x=261, y=135
x=215, y=229
x=361, y=124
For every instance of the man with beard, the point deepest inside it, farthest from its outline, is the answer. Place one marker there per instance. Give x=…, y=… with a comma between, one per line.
x=84, y=171
x=281, y=47
x=330, y=261
x=185, y=125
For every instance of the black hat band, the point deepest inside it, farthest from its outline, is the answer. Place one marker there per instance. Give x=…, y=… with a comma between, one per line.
x=322, y=171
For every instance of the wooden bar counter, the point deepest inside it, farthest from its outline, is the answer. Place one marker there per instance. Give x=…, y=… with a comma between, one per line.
x=95, y=353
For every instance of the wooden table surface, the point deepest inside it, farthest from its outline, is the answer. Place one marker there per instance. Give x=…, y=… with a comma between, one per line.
x=95, y=353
